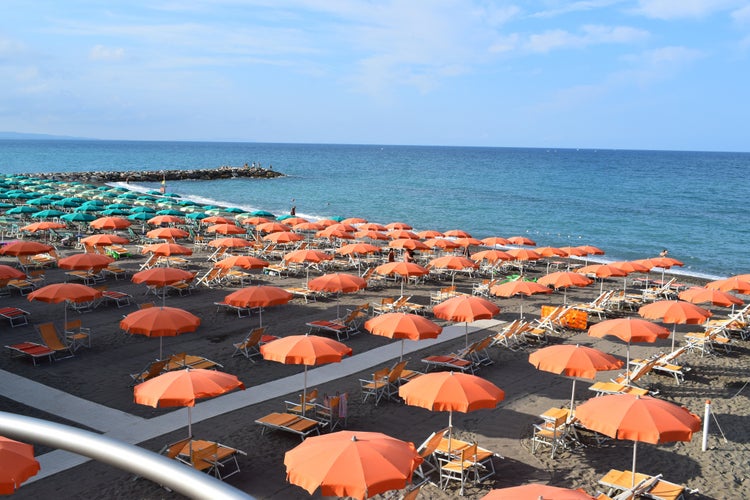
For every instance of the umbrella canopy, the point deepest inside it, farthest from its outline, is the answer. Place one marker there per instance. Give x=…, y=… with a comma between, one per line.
x=702, y=295
x=573, y=361
x=167, y=233
x=158, y=220
x=65, y=292
x=231, y=242
x=408, y=244
x=43, y=226
x=225, y=229
x=536, y=492
x=258, y=296
x=371, y=234
x=629, y=330
x=183, y=387
x=217, y=219
x=734, y=284
x=398, y=225
x=110, y=223
x=675, y=312
x=161, y=276
x=518, y=287
x=283, y=237
x=465, y=308
x=17, y=464
x=354, y=464
x=521, y=240
x=451, y=391
x=104, y=240
x=337, y=283
x=272, y=227
x=166, y=249
x=403, y=269
x=25, y=248
x=403, y=326
x=491, y=255
x=493, y=241
x=453, y=262
x=400, y=234
x=442, y=243
x=242, y=261
x=85, y=261
x=10, y=273
x=307, y=256
x=307, y=350
x=160, y=322
x=564, y=280
x=602, y=271
x=357, y=249
x=638, y=418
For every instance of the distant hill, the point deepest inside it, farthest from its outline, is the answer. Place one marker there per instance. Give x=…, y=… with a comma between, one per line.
x=20, y=136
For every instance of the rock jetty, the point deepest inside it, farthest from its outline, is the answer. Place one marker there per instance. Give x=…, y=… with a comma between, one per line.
x=207, y=174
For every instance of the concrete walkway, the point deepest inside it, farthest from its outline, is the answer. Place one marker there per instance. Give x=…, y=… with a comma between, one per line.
x=133, y=430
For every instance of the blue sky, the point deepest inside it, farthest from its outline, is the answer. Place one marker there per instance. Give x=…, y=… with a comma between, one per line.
x=642, y=74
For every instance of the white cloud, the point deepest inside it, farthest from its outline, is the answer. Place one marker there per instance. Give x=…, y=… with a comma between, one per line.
x=590, y=35
x=675, y=9
x=10, y=48
x=581, y=6
x=742, y=15
x=102, y=53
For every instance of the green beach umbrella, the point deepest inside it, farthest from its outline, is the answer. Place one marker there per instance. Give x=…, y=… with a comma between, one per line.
x=196, y=215
x=261, y=213
x=122, y=206
x=144, y=209
x=39, y=201
x=170, y=211
x=140, y=216
x=22, y=196
x=46, y=214
x=127, y=196
x=78, y=217
x=4, y=205
x=284, y=217
x=234, y=210
x=115, y=211
x=68, y=203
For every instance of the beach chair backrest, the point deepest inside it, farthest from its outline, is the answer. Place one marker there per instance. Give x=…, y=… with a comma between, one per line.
x=145, y=305
x=174, y=449
x=431, y=444
x=48, y=332
x=73, y=324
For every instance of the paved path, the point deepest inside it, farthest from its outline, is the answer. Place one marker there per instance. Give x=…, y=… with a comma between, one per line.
x=133, y=430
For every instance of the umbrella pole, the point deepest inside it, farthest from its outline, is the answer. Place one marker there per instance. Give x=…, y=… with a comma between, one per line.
x=190, y=422
x=674, y=334
x=466, y=334
x=401, y=358
x=572, y=398
x=450, y=431
x=161, y=343
x=304, y=393
x=627, y=365
x=635, y=449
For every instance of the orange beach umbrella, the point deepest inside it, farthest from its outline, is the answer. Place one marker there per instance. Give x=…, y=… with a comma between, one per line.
x=23, y=247
x=638, y=418
x=564, y=280
x=337, y=283
x=535, y=492
x=702, y=295
x=230, y=242
x=519, y=287
x=675, y=311
x=307, y=350
x=160, y=322
x=85, y=261
x=242, y=261
x=104, y=240
x=403, y=326
x=451, y=391
x=734, y=284
x=353, y=464
x=166, y=249
x=183, y=387
x=167, y=233
x=403, y=269
x=465, y=308
x=10, y=273
x=259, y=296
x=574, y=361
x=17, y=464
x=109, y=223
x=629, y=330
x=65, y=292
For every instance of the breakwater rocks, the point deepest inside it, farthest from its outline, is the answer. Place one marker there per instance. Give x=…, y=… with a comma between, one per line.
x=207, y=174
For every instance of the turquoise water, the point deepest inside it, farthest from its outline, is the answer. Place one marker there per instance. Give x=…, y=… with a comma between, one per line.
x=632, y=204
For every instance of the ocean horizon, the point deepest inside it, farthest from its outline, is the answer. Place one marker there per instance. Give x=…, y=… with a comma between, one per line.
x=632, y=204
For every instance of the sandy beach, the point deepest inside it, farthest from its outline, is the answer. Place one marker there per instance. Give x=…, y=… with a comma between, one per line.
x=101, y=374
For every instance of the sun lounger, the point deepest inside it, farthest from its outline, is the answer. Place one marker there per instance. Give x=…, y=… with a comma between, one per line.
x=24, y=286
x=602, y=388
x=31, y=350
x=16, y=316
x=460, y=361
x=153, y=369
x=51, y=339
x=342, y=328
x=213, y=458
x=120, y=299
x=184, y=360
x=598, y=306
x=289, y=422
x=304, y=293
x=250, y=346
x=707, y=342
x=646, y=486
x=484, y=457
x=242, y=312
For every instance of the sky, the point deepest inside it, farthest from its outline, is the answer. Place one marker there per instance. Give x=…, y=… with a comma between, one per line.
x=630, y=74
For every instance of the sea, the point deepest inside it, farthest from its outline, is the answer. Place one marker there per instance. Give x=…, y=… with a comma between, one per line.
x=631, y=204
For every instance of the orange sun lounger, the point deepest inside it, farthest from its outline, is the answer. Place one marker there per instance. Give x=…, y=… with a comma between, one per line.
x=32, y=350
